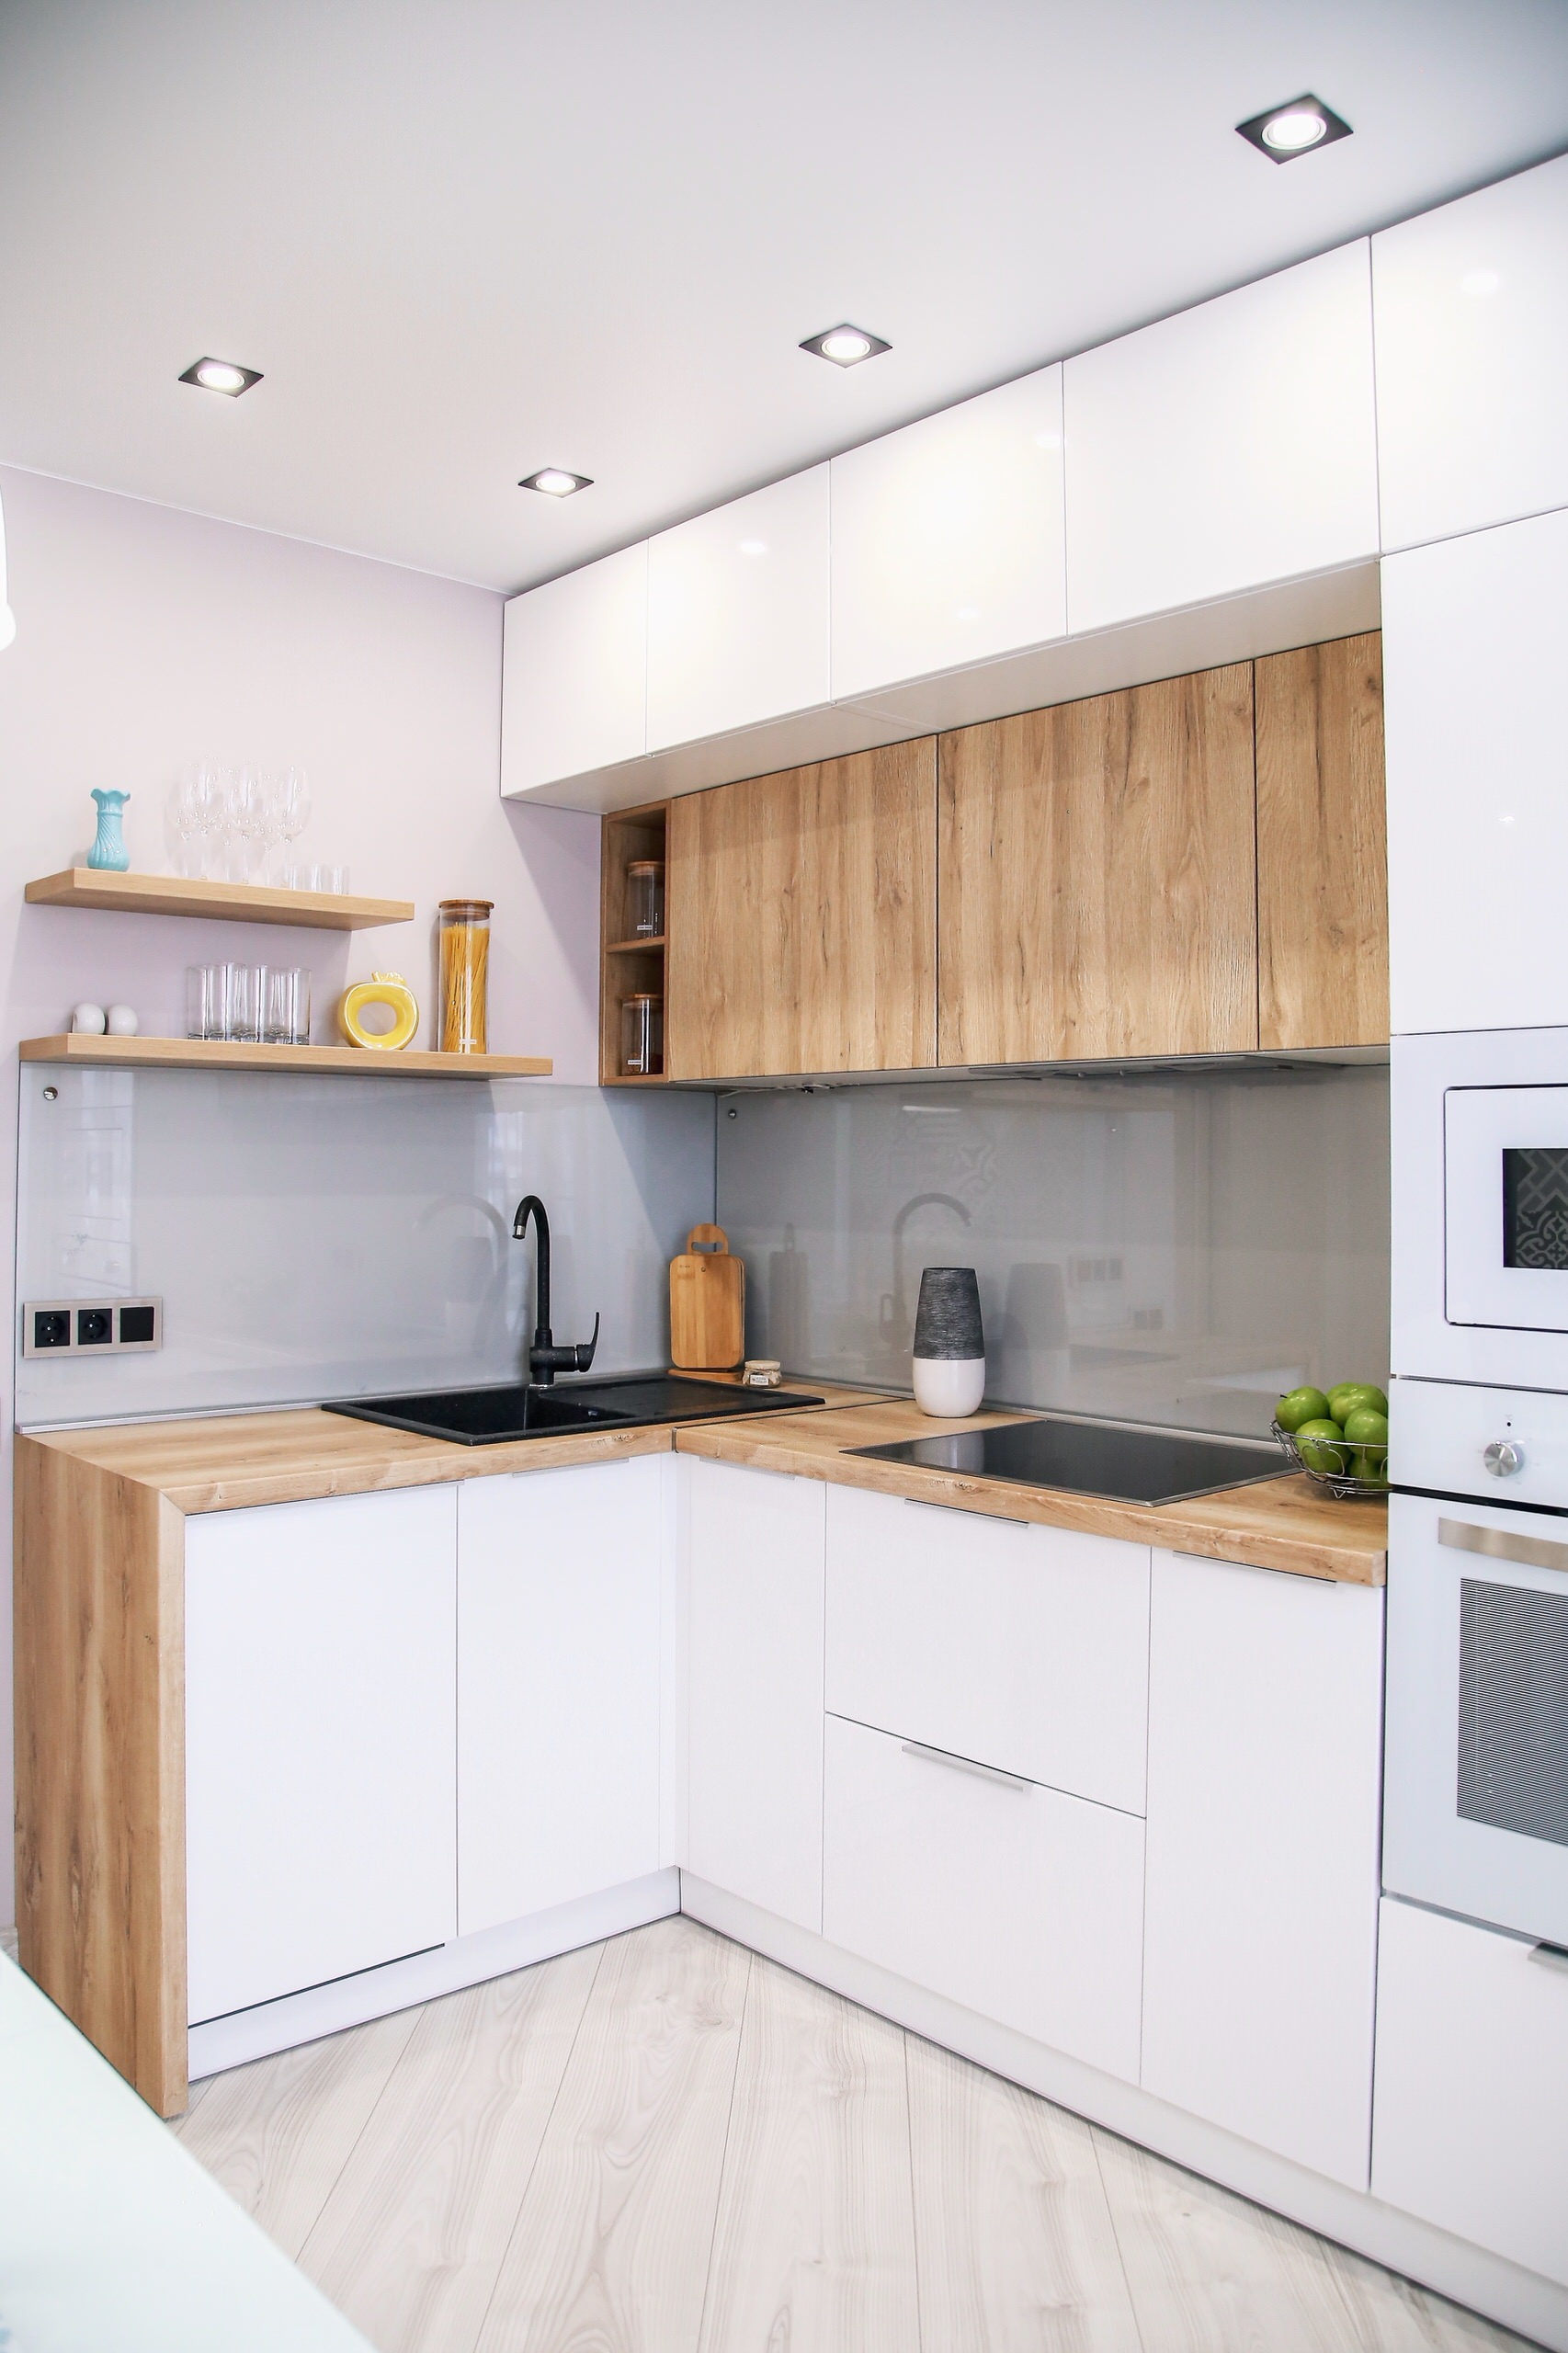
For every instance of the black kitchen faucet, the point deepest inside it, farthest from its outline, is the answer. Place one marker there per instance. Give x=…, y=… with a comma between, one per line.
x=545, y=1359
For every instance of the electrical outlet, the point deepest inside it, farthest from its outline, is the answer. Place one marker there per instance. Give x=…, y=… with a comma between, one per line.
x=82, y=1327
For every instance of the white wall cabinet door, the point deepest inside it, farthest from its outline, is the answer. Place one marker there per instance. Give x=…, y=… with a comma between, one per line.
x=559, y=1576
x=1260, y=1923
x=1471, y=310
x=1473, y=631
x=1021, y=1647
x=1228, y=447
x=574, y=674
x=321, y=1681
x=947, y=543
x=754, y=1567
x=738, y=614
x=1019, y=1902
x=1472, y=2116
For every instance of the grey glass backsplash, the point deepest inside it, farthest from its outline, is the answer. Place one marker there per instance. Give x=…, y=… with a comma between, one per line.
x=1172, y=1248
x=327, y=1237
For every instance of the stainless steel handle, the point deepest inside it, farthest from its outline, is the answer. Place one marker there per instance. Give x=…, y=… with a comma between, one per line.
x=1503, y=1544
x=970, y=1511
x=964, y=1765
x=1550, y=1957
x=1502, y=1458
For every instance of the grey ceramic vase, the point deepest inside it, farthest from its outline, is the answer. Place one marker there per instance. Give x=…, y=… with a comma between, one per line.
x=949, y=1342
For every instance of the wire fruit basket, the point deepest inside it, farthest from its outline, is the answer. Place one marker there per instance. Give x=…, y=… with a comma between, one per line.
x=1344, y=1483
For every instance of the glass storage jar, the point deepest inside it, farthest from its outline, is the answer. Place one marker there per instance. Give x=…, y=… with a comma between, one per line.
x=465, y=974
x=645, y=892
x=641, y=1036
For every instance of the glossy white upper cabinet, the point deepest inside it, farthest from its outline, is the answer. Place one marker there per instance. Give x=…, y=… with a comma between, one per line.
x=948, y=541
x=1231, y=446
x=574, y=674
x=1472, y=311
x=738, y=614
x=1474, y=632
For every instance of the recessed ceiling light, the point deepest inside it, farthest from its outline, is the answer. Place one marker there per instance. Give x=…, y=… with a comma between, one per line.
x=555, y=482
x=1284, y=132
x=845, y=345
x=221, y=376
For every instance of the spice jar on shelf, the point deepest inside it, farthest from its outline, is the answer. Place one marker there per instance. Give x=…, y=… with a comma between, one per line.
x=645, y=892
x=465, y=974
x=641, y=1036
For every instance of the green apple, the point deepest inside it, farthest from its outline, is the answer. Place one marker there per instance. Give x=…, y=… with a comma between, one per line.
x=1347, y=1395
x=1367, y=1426
x=1322, y=1442
x=1301, y=1405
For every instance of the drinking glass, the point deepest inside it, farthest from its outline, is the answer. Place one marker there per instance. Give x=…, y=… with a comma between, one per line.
x=246, y=1001
x=287, y=1017
x=334, y=880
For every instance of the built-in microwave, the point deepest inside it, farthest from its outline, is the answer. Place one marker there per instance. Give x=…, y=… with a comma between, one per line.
x=1480, y=1208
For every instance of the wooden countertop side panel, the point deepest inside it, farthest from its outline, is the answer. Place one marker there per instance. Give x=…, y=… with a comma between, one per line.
x=1283, y=1523
x=100, y=1787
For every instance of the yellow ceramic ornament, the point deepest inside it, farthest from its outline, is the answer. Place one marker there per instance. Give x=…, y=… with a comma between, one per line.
x=382, y=988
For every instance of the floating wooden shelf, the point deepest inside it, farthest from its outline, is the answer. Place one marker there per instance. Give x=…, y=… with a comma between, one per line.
x=632, y=946
x=174, y=895
x=211, y=1053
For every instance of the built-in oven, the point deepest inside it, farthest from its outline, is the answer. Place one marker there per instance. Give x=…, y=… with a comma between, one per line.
x=1476, y=1817
x=1480, y=1201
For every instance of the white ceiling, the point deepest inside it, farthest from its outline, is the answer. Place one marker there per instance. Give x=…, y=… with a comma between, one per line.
x=467, y=238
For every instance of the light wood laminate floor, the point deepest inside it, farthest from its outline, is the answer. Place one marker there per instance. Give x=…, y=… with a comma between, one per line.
x=668, y=2145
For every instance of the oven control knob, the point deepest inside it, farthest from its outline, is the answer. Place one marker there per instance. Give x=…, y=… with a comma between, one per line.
x=1502, y=1458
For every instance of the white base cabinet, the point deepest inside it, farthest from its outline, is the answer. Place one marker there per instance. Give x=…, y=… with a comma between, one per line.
x=1019, y=1902
x=754, y=1551
x=1472, y=2119
x=1260, y=1923
x=559, y=1588
x=320, y=1684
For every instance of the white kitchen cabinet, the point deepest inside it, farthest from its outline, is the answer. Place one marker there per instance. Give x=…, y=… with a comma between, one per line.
x=1471, y=2125
x=574, y=674
x=1021, y=1647
x=559, y=1578
x=754, y=1571
x=1022, y=1903
x=1260, y=1925
x=1473, y=631
x=1472, y=309
x=320, y=1683
x=1228, y=447
x=738, y=614
x=948, y=544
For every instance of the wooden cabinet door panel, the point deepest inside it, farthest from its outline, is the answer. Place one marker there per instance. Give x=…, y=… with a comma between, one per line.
x=1323, y=896
x=1096, y=865
x=803, y=920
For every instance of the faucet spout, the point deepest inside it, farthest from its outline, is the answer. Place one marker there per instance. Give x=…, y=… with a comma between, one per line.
x=545, y=1359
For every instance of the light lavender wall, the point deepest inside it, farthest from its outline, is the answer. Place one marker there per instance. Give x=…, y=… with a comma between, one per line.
x=147, y=638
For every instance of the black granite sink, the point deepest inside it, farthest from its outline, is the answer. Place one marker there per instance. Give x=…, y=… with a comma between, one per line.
x=501, y=1415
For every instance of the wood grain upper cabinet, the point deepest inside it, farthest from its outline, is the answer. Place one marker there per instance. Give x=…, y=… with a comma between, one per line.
x=801, y=920
x=1095, y=864
x=1323, y=945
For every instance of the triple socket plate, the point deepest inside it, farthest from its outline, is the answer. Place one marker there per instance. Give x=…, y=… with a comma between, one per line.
x=91, y=1327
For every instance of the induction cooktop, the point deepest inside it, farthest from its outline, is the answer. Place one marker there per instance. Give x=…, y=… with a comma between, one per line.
x=1114, y=1459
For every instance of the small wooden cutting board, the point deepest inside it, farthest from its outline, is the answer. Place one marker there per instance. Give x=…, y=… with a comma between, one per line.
x=707, y=1304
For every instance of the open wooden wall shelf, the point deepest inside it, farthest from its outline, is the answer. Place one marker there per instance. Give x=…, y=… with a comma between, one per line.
x=174, y=895
x=211, y=1053
x=627, y=966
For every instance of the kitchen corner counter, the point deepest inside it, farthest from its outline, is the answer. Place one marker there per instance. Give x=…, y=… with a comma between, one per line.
x=1284, y=1523
x=302, y=1453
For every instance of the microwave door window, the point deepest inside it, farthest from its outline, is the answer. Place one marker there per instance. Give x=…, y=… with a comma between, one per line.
x=1535, y=1209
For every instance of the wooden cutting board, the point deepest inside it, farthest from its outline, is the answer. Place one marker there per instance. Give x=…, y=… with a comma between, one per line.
x=707, y=1304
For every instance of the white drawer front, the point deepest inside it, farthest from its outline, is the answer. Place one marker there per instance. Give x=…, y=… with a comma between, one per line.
x=1024, y=1904
x=1027, y=1648
x=1470, y=2114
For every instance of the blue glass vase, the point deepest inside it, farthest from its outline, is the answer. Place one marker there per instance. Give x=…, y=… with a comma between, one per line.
x=108, y=852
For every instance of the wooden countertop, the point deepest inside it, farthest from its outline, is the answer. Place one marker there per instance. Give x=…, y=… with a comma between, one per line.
x=1283, y=1524
x=303, y=1452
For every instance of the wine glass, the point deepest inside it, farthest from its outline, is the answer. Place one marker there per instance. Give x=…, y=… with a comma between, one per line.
x=294, y=803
